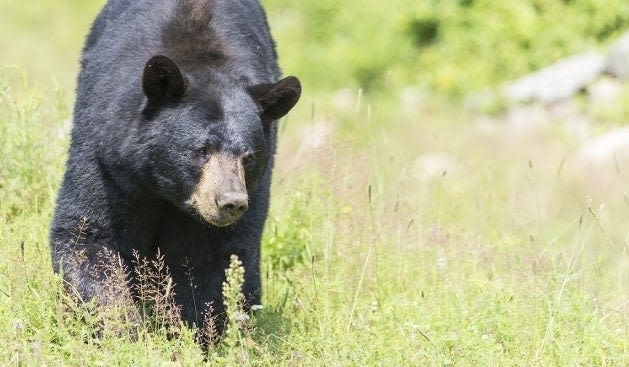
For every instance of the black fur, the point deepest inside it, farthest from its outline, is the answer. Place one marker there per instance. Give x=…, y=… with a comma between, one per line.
x=163, y=84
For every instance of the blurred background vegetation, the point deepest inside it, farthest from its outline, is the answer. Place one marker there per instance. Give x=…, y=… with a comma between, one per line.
x=447, y=47
x=443, y=46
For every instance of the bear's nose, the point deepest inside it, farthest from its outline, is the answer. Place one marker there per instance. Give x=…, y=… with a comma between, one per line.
x=233, y=204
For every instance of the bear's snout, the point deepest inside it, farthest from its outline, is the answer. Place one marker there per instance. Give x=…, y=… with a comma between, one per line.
x=233, y=204
x=220, y=196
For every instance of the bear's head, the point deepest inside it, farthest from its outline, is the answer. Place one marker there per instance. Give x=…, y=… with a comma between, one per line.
x=207, y=136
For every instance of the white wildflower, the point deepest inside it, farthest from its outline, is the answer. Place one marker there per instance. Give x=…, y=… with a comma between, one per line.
x=240, y=316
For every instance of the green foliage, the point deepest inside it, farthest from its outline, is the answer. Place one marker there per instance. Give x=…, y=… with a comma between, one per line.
x=449, y=47
x=423, y=31
x=237, y=320
x=290, y=234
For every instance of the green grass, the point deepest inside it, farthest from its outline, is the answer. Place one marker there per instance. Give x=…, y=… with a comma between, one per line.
x=508, y=252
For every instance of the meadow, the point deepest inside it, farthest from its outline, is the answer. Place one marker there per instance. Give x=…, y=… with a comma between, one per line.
x=405, y=229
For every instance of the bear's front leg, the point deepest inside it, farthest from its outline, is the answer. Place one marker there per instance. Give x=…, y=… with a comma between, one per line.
x=91, y=268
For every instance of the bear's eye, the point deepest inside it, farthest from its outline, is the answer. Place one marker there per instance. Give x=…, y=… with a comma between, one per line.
x=249, y=160
x=203, y=152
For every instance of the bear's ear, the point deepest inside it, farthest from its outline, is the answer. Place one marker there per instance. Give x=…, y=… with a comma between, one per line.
x=162, y=82
x=276, y=99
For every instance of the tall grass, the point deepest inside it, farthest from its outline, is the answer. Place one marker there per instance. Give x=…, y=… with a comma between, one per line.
x=369, y=258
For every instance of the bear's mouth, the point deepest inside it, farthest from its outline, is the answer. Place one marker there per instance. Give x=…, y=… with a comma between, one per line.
x=222, y=223
x=213, y=215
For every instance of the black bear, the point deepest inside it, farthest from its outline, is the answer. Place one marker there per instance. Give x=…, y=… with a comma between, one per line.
x=172, y=146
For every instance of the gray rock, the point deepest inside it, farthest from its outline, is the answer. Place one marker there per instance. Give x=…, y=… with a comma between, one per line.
x=618, y=58
x=602, y=162
x=605, y=91
x=609, y=147
x=557, y=81
x=529, y=118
